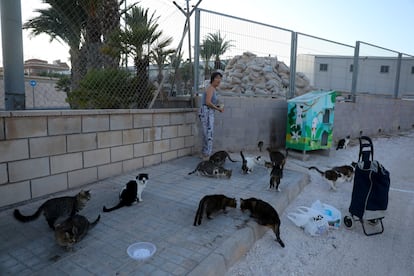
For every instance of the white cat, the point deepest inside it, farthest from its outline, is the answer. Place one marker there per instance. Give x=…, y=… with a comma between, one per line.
x=250, y=162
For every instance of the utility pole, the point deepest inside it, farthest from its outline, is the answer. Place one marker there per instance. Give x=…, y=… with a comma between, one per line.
x=187, y=13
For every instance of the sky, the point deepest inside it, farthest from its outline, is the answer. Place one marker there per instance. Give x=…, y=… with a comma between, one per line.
x=379, y=22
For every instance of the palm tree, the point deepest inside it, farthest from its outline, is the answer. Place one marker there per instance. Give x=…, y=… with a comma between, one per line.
x=65, y=27
x=159, y=55
x=216, y=45
x=140, y=32
x=206, y=54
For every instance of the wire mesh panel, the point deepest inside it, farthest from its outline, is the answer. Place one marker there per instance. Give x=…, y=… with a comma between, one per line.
x=253, y=56
x=327, y=64
x=118, y=51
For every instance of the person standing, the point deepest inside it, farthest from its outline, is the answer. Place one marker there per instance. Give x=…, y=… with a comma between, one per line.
x=209, y=104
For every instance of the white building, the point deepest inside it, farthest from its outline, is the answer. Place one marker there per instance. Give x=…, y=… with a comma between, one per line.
x=376, y=75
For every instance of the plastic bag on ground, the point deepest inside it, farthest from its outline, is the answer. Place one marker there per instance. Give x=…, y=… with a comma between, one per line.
x=330, y=213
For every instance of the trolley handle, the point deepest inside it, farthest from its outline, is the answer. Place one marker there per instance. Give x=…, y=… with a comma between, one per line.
x=364, y=153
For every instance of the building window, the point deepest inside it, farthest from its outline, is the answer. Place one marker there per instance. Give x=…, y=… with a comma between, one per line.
x=412, y=69
x=384, y=69
x=351, y=68
x=323, y=67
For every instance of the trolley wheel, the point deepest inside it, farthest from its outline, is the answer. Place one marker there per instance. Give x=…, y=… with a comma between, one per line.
x=348, y=221
x=373, y=222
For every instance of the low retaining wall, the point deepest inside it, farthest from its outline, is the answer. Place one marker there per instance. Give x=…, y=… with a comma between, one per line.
x=247, y=120
x=43, y=152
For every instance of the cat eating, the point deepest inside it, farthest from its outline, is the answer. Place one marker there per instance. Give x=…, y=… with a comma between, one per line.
x=57, y=207
x=72, y=230
x=128, y=194
x=249, y=163
x=264, y=214
x=209, y=169
x=219, y=157
x=212, y=204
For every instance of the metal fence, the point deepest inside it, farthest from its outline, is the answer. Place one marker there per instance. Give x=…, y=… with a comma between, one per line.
x=133, y=54
x=261, y=57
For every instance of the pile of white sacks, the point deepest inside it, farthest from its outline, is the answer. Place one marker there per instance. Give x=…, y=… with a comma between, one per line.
x=251, y=75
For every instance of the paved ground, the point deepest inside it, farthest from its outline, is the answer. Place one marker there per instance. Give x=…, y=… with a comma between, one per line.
x=165, y=218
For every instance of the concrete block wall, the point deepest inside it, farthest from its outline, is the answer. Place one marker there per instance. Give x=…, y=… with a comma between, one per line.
x=247, y=120
x=42, y=152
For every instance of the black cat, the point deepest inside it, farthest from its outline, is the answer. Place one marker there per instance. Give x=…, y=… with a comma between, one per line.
x=275, y=176
x=264, y=214
x=128, y=195
x=211, y=204
x=278, y=158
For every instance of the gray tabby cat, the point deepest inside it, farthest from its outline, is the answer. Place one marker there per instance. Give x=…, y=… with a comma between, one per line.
x=57, y=207
x=208, y=168
x=219, y=157
x=72, y=230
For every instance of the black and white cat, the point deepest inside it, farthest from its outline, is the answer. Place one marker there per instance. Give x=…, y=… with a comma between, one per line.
x=343, y=143
x=249, y=163
x=346, y=170
x=131, y=193
x=332, y=176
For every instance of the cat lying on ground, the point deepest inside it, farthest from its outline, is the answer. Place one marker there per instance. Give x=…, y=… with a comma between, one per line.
x=208, y=168
x=264, y=214
x=128, y=194
x=212, y=204
x=57, y=207
x=72, y=230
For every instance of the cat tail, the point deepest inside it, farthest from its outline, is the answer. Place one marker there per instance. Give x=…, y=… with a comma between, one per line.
x=242, y=156
x=119, y=205
x=20, y=217
x=228, y=156
x=96, y=221
x=315, y=168
x=199, y=213
x=192, y=171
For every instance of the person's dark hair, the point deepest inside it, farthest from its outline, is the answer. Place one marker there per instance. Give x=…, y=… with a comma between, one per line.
x=214, y=75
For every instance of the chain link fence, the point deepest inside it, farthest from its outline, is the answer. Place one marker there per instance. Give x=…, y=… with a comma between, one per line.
x=134, y=54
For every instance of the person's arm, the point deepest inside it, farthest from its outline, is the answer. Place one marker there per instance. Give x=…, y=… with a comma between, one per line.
x=209, y=95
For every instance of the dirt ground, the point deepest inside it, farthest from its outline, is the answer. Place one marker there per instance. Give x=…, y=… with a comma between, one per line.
x=344, y=251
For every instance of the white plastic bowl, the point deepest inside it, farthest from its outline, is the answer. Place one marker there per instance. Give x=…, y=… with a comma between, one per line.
x=141, y=250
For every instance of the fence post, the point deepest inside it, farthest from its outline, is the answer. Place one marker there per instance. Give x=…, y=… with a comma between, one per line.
x=397, y=76
x=196, y=50
x=11, y=28
x=355, y=71
x=293, y=53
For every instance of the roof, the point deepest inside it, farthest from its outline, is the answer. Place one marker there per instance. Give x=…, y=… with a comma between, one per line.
x=311, y=95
